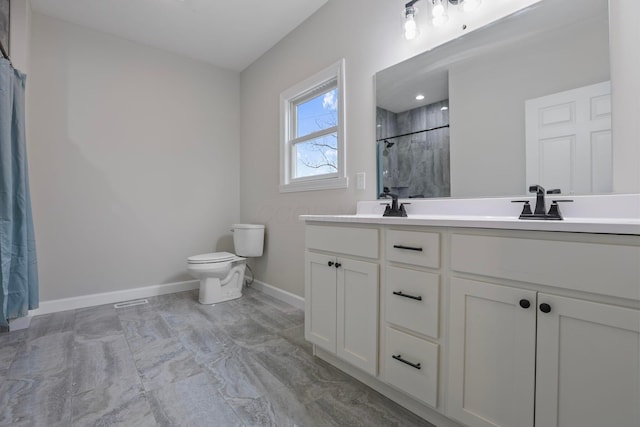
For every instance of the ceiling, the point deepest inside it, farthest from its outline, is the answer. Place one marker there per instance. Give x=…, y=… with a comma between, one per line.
x=227, y=33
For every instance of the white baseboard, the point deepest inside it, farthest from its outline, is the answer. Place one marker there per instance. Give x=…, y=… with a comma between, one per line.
x=91, y=300
x=64, y=304
x=282, y=295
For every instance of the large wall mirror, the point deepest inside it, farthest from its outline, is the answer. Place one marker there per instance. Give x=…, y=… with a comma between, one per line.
x=525, y=100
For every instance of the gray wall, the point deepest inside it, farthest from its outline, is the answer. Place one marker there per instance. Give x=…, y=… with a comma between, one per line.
x=20, y=38
x=133, y=156
x=4, y=24
x=114, y=208
x=487, y=97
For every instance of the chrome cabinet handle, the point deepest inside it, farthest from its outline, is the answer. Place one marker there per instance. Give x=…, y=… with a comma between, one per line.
x=406, y=362
x=400, y=294
x=409, y=248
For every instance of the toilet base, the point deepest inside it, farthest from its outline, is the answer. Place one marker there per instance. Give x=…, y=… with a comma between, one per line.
x=214, y=290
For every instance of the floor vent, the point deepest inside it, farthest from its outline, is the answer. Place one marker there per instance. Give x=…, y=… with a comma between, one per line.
x=130, y=303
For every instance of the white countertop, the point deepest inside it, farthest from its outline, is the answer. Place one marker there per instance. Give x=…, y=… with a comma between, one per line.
x=585, y=225
x=622, y=214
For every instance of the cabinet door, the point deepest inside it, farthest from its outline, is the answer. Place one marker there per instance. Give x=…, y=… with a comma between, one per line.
x=491, y=354
x=358, y=314
x=320, y=301
x=588, y=366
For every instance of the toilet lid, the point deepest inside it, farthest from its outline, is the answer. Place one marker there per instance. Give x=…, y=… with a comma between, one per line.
x=212, y=257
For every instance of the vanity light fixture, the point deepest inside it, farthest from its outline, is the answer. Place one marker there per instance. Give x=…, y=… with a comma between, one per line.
x=410, y=25
x=438, y=12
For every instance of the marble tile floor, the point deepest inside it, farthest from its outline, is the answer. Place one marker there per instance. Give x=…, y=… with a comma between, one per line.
x=174, y=362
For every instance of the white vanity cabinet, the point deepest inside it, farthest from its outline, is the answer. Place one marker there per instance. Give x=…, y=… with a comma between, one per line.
x=341, y=293
x=483, y=327
x=519, y=353
x=411, y=321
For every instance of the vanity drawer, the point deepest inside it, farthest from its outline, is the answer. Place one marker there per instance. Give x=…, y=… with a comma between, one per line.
x=590, y=267
x=345, y=240
x=412, y=299
x=414, y=369
x=413, y=247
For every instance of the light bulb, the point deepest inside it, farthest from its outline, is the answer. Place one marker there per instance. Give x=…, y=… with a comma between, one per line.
x=439, y=13
x=410, y=28
x=419, y=97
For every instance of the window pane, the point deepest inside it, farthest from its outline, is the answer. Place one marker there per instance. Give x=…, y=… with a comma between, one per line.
x=317, y=156
x=317, y=113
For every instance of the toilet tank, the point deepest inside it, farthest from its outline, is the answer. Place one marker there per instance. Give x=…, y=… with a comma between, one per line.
x=248, y=239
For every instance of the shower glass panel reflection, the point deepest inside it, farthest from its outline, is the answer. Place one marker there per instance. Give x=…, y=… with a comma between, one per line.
x=413, y=151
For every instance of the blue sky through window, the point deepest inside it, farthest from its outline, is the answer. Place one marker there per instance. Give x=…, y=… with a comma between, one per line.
x=318, y=113
x=319, y=155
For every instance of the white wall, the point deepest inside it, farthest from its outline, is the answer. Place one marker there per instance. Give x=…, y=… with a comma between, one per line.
x=133, y=156
x=367, y=33
x=20, y=34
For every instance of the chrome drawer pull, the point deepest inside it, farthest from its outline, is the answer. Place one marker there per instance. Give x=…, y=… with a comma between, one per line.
x=400, y=359
x=409, y=248
x=400, y=294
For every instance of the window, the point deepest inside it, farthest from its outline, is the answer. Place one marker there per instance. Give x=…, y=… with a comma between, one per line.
x=312, y=133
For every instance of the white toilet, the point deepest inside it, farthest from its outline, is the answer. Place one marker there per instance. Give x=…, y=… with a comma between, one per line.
x=221, y=274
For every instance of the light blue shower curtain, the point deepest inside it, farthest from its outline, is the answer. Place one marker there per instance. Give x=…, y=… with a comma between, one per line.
x=18, y=268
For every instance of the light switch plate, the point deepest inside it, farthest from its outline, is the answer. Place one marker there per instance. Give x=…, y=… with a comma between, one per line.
x=360, y=181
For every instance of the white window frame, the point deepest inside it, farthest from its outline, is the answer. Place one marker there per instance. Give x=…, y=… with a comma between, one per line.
x=289, y=99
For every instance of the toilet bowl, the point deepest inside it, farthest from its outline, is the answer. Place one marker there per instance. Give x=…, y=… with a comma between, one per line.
x=221, y=274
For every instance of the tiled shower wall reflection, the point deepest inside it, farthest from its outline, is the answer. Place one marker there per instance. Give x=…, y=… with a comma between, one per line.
x=415, y=165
